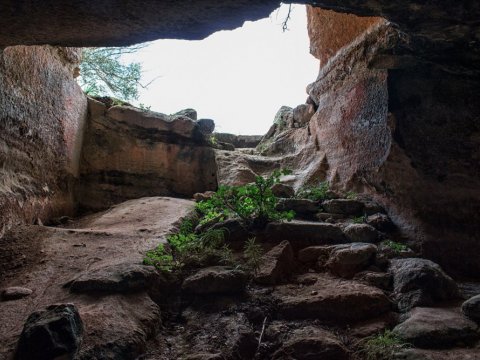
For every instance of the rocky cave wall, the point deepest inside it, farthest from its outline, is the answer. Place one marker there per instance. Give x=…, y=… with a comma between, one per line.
x=129, y=153
x=404, y=128
x=42, y=113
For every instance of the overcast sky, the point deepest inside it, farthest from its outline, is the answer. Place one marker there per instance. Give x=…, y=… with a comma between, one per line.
x=238, y=78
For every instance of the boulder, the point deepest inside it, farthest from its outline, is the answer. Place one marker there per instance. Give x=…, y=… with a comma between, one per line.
x=276, y=264
x=312, y=253
x=312, y=343
x=330, y=300
x=329, y=217
x=283, y=190
x=216, y=279
x=302, y=207
x=343, y=206
x=302, y=114
x=471, y=308
x=361, y=233
x=380, y=280
x=190, y=113
x=53, y=333
x=283, y=118
x=437, y=328
x=119, y=278
x=15, y=293
x=371, y=207
x=346, y=260
x=381, y=222
x=206, y=126
x=420, y=282
x=302, y=234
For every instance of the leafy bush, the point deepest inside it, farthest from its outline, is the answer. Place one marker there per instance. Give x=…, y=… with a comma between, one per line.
x=315, y=193
x=395, y=246
x=359, y=220
x=351, y=195
x=253, y=253
x=382, y=346
x=255, y=204
x=159, y=258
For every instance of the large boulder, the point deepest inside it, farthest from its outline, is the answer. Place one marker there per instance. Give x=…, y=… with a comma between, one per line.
x=380, y=222
x=471, y=308
x=330, y=300
x=305, y=233
x=302, y=114
x=216, y=279
x=206, y=126
x=119, y=278
x=53, y=333
x=302, y=207
x=346, y=260
x=420, y=282
x=343, y=206
x=283, y=118
x=361, y=233
x=283, y=190
x=190, y=113
x=275, y=264
x=437, y=328
x=312, y=343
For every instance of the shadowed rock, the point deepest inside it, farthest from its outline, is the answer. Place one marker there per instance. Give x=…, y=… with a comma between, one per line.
x=276, y=264
x=216, y=279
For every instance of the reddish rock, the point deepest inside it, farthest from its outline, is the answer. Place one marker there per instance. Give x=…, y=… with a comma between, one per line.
x=347, y=260
x=15, y=293
x=361, y=233
x=216, y=279
x=331, y=300
x=276, y=264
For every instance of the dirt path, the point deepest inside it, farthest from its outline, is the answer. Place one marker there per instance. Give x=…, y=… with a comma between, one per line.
x=44, y=259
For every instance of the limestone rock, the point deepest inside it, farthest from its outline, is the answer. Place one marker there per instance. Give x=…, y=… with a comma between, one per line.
x=420, y=282
x=361, y=233
x=331, y=300
x=380, y=222
x=343, y=206
x=15, y=293
x=302, y=234
x=471, y=308
x=120, y=278
x=302, y=114
x=437, y=328
x=190, y=113
x=51, y=333
x=216, y=279
x=283, y=190
x=206, y=126
x=347, y=260
x=312, y=253
x=302, y=207
x=312, y=343
x=283, y=118
x=380, y=280
x=275, y=264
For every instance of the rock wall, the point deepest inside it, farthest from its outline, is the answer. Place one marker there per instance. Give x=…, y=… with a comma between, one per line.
x=42, y=112
x=397, y=126
x=129, y=153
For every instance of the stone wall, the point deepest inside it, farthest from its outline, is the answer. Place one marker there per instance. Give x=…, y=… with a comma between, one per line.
x=129, y=153
x=42, y=112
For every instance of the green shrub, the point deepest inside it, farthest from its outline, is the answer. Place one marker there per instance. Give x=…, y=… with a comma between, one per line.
x=255, y=204
x=159, y=258
x=252, y=253
x=351, y=195
x=381, y=346
x=395, y=246
x=315, y=193
x=358, y=220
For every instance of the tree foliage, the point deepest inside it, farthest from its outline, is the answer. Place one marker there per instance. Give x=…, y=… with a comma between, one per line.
x=103, y=73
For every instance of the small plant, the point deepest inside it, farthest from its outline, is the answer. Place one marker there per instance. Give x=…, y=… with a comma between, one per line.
x=358, y=220
x=213, y=238
x=226, y=255
x=315, y=193
x=382, y=346
x=159, y=258
x=253, y=253
x=144, y=107
x=395, y=246
x=255, y=204
x=351, y=195
x=213, y=140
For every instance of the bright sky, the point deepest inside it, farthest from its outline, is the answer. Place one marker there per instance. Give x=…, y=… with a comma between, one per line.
x=238, y=78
